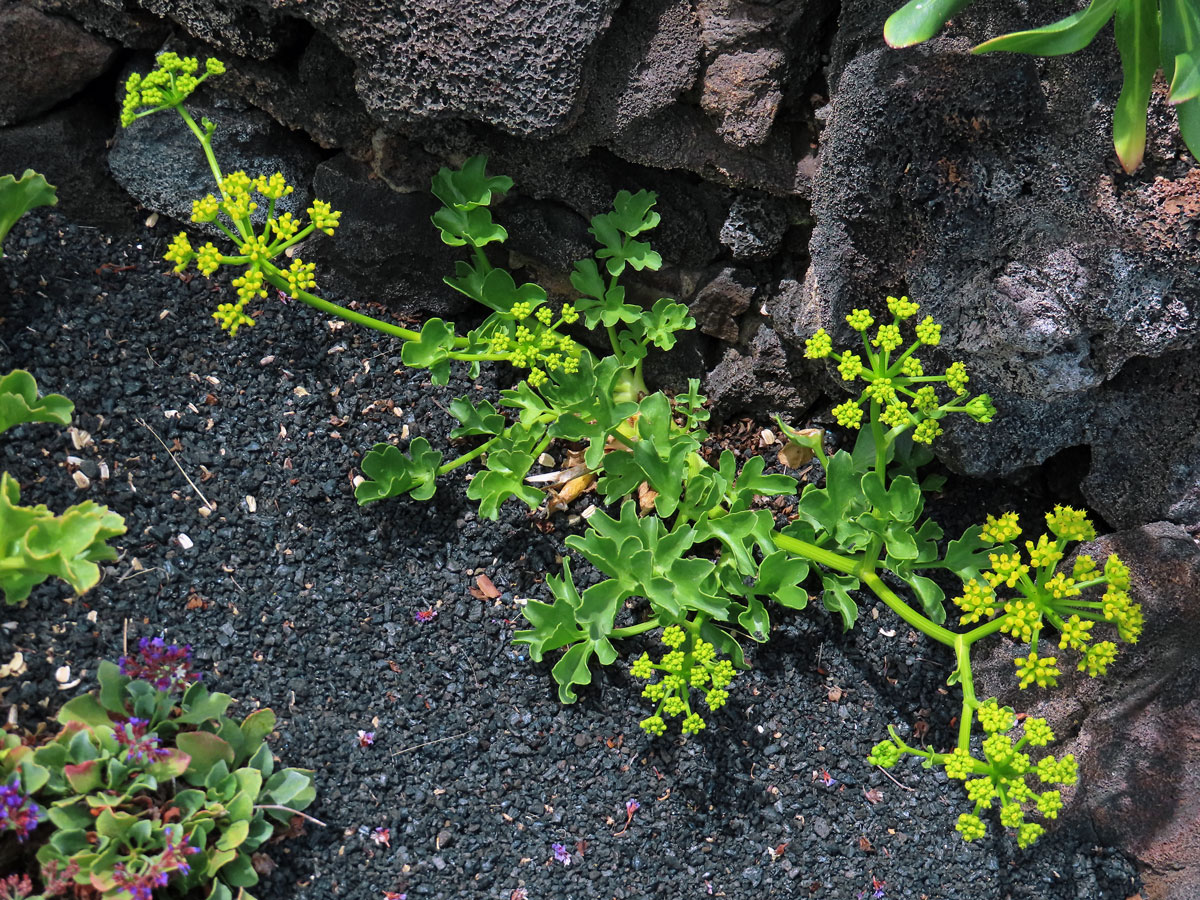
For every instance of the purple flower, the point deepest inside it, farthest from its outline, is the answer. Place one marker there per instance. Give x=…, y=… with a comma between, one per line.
x=166, y=666
x=156, y=871
x=17, y=811
x=421, y=616
x=632, y=806
x=139, y=746
x=561, y=854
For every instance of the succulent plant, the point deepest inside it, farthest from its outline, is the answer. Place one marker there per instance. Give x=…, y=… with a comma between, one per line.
x=142, y=789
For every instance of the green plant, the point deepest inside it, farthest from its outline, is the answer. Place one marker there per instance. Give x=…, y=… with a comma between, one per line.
x=18, y=196
x=1152, y=36
x=35, y=544
x=691, y=550
x=145, y=789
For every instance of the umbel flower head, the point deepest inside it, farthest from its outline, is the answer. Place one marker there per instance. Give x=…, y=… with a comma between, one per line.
x=691, y=663
x=1006, y=779
x=1028, y=592
x=167, y=85
x=898, y=390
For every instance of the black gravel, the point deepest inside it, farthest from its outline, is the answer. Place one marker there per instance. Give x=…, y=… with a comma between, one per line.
x=306, y=604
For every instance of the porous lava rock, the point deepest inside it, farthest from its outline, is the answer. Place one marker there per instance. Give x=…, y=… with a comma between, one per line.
x=45, y=60
x=987, y=188
x=1136, y=731
x=160, y=162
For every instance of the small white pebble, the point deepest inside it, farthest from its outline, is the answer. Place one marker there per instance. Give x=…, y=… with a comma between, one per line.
x=184, y=541
x=546, y=460
x=266, y=360
x=768, y=436
x=152, y=220
x=251, y=503
x=81, y=481
x=62, y=674
x=93, y=616
x=103, y=471
x=205, y=511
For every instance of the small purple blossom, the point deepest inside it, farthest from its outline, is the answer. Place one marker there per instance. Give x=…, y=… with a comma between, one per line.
x=18, y=812
x=155, y=872
x=382, y=836
x=139, y=746
x=421, y=616
x=632, y=806
x=366, y=738
x=166, y=666
x=561, y=854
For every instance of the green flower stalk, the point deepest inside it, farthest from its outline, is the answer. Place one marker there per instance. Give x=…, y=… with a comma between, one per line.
x=1039, y=593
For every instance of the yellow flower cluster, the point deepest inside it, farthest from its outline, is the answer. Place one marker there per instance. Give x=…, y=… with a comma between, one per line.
x=691, y=663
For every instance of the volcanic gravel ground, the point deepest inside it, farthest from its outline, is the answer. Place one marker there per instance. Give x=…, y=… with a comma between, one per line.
x=295, y=598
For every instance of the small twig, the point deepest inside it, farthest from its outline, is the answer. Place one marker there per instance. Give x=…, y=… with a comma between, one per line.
x=902, y=787
x=199, y=493
x=129, y=575
x=429, y=743
x=125, y=639
x=294, y=812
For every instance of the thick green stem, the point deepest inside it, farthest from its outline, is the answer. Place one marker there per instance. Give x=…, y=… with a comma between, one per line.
x=203, y=138
x=467, y=457
x=276, y=278
x=631, y=630
x=847, y=564
x=906, y=612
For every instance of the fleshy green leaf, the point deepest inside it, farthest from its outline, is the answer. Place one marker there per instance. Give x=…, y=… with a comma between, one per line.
x=470, y=186
x=1186, y=83
x=84, y=709
x=504, y=478
x=614, y=232
x=837, y=597
x=646, y=560
x=35, y=544
x=18, y=196
x=432, y=350
x=1064, y=36
x=968, y=556
x=583, y=620
x=390, y=473
x=500, y=292
x=930, y=595
x=780, y=575
x=1137, y=31
x=633, y=213
x=475, y=419
x=751, y=482
x=19, y=401
x=205, y=750
x=664, y=319
x=919, y=20
x=475, y=227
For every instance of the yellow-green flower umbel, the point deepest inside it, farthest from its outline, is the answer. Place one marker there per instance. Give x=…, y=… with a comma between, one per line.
x=898, y=393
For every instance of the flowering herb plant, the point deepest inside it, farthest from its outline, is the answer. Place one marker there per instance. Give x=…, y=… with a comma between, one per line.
x=149, y=789
x=35, y=544
x=1152, y=35
x=690, y=549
